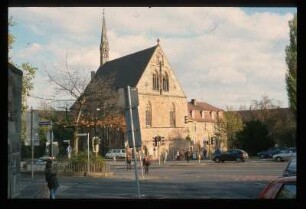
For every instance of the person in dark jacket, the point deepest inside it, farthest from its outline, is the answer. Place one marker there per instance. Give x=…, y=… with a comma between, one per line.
x=146, y=163
x=128, y=162
x=51, y=179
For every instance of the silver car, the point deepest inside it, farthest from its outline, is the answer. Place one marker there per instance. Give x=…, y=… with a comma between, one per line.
x=284, y=155
x=290, y=169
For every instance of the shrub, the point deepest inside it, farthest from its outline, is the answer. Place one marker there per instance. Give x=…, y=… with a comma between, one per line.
x=82, y=157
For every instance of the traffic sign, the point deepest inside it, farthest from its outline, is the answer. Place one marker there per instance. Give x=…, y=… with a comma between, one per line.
x=44, y=123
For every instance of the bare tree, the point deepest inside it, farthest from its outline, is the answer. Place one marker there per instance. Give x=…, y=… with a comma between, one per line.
x=89, y=96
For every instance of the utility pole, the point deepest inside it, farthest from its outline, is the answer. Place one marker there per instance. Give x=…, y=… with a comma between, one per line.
x=32, y=144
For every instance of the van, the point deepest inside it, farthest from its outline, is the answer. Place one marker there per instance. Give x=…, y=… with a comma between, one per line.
x=117, y=153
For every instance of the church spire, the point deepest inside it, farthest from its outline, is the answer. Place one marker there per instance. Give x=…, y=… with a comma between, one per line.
x=104, y=47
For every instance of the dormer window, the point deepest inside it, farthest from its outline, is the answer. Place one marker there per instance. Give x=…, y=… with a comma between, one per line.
x=212, y=115
x=192, y=114
x=202, y=114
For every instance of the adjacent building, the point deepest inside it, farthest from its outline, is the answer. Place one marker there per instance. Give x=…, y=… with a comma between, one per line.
x=14, y=129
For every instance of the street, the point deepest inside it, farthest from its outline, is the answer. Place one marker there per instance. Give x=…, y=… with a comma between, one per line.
x=173, y=180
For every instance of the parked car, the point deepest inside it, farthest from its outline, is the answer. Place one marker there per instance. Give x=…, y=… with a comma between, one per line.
x=270, y=152
x=284, y=155
x=280, y=188
x=290, y=169
x=115, y=153
x=231, y=155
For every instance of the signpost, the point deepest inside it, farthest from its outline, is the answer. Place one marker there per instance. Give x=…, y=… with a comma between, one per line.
x=128, y=97
x=86, y=134
x=48, y=123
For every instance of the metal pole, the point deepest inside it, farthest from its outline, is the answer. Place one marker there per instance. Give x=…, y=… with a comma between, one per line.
x=32, y=144
x=133, y=137
x=87, y=153
x=158, y=153
x=141, y=165
x=51, y=141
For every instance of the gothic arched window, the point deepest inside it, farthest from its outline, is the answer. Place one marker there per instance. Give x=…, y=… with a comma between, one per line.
x=155, y=81
x=166, y=82
x=172, y=116
x=148, y=114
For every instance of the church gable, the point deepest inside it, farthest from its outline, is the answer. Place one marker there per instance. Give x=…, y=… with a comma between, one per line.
x=158, y=77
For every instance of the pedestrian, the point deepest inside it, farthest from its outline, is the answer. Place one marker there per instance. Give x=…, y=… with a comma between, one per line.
x=146, y=163
x=69, y=150
x=177, y=155
x=51, y=179
x=128, y=162
x=217, y=151
x=204, y=153
x=187, y=155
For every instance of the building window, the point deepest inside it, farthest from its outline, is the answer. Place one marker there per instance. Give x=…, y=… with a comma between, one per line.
x=155, y=81
x=172, y=116
x=203, y=114
x=166, y=82
x=148, y=114
x=212, y=115
x=192, y=113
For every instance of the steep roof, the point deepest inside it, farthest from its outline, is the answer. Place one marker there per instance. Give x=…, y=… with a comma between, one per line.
x=126, y=70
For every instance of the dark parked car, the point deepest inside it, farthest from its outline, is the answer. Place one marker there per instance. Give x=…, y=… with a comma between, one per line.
x=290, y=169
x=270, y=152
x=231, y=155
x=280, y=188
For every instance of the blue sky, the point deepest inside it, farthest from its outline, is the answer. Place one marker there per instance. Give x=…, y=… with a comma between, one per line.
x=223, y=56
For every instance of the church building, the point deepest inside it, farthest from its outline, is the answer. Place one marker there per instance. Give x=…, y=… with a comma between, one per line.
x=163, y=105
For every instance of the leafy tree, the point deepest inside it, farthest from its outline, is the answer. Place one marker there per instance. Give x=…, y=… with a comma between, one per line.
x=234, y=125
x=291, y=60
x=279, y=121
x=11, y=37
x=254, y=137
x=29, y=72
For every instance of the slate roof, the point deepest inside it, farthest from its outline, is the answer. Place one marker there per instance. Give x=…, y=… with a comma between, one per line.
x=126, y=70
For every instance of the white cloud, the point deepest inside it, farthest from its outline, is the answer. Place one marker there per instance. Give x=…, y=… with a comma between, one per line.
x=231, y=56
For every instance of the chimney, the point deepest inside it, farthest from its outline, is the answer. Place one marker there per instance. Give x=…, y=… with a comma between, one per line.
x=93, y=73
x=194, y=101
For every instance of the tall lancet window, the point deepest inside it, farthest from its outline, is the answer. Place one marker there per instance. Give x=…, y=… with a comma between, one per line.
x=155, y=80
x=166, y=82
x=172, y=116
x=148, y=114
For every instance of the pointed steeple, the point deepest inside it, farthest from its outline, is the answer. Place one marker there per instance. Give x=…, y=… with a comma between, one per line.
x=104, y=47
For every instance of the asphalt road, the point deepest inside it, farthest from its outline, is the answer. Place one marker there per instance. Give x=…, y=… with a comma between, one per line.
x=173, y=180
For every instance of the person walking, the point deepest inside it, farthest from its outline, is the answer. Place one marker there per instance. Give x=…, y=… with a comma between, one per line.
x=128, y=162
x=146, y=163
x=204, y=153
x=187, y=155
x=51, y=179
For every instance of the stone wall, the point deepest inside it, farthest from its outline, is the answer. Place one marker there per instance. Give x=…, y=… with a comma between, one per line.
x=14, y=130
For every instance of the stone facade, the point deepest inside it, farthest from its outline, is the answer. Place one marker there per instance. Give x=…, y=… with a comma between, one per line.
x=162, y=103
x=206, y=127
x=14, y=129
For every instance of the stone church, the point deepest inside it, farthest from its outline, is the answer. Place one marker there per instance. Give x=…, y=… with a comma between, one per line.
x=163, y=107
